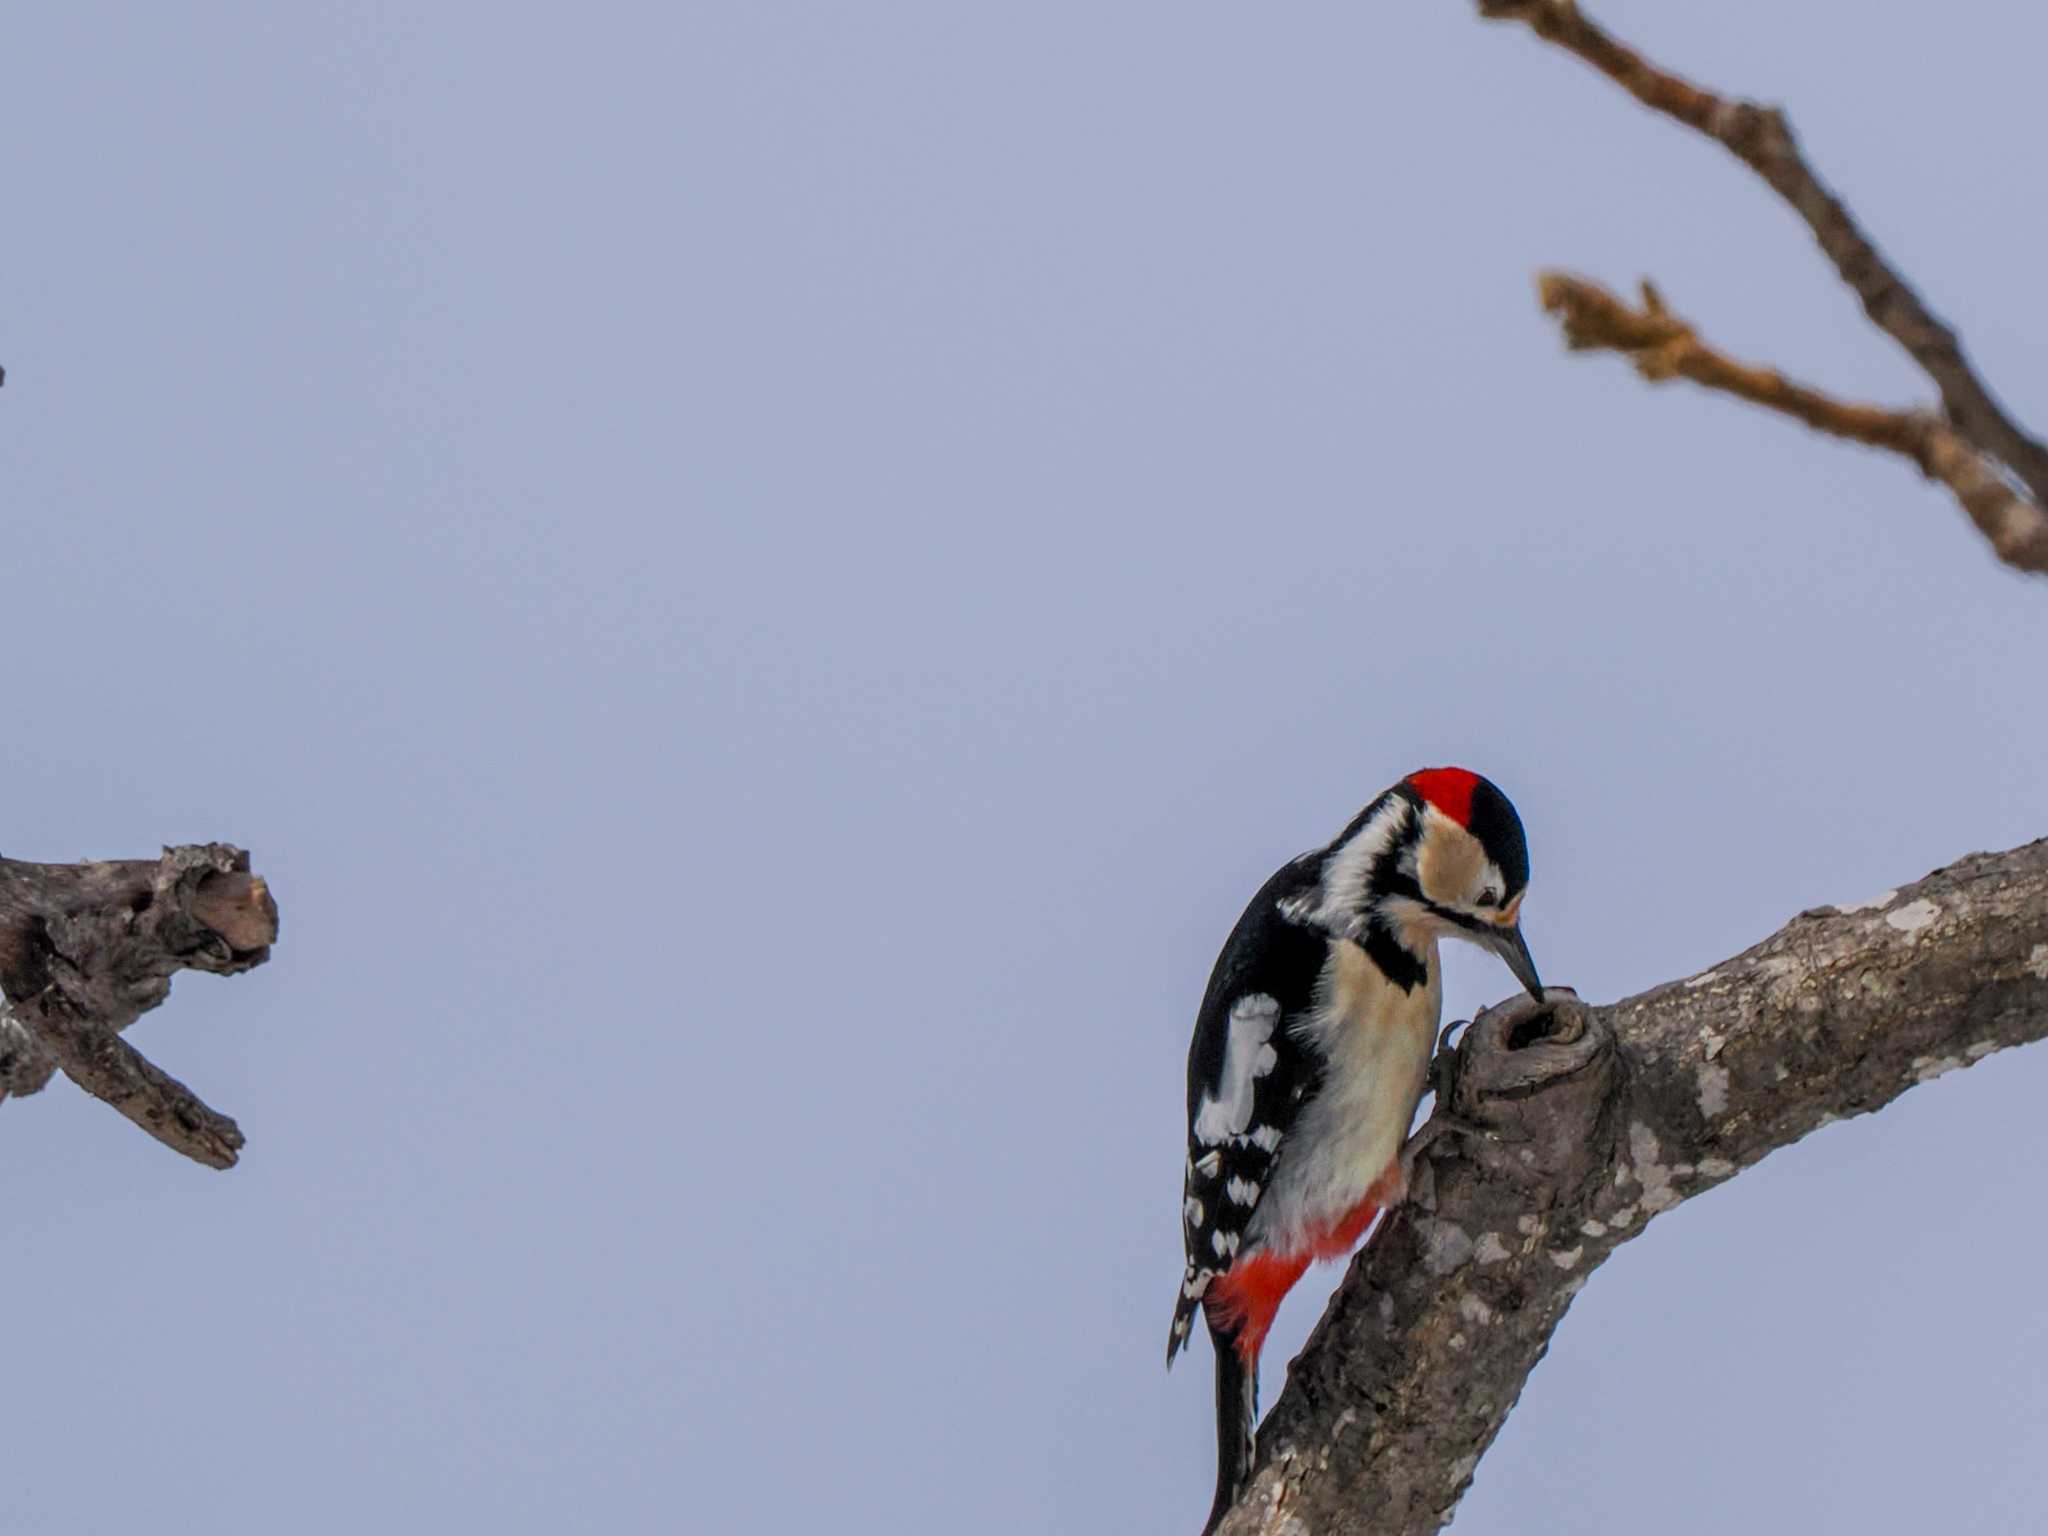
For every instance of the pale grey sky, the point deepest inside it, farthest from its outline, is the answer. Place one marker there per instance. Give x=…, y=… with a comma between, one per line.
x=765, y=579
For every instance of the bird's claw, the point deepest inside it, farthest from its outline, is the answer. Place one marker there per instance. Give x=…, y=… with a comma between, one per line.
x=1443, y=1066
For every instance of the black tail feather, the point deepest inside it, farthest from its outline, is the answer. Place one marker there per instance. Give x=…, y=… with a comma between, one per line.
x=1237, y=1414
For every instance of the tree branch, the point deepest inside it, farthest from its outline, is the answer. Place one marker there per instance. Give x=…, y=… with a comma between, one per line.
x=1664, y=347
x=1761, y=137
x=86, y=949
x=1587, y=1122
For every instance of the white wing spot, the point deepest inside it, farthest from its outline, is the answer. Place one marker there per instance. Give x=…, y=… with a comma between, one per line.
x=1266, y=1138
x=1247, y=1057
x=1209, y=1164
x=1243, y=1191
x=1191, y=1211
x=1301, y=908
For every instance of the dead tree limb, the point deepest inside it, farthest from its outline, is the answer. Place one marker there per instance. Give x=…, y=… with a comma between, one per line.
x=1580, y=1125
x=1663, y=347
x=1997, y=470
x=87, y=949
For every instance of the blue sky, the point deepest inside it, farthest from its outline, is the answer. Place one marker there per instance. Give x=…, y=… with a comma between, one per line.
x=764, y=580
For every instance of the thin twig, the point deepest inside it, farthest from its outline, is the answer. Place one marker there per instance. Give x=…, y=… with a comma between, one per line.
x=1761, y=138
x=1663, y=347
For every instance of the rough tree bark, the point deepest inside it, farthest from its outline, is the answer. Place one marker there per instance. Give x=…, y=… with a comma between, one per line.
x=87, y=949
x=1573, y=1126
x=1566, y=1128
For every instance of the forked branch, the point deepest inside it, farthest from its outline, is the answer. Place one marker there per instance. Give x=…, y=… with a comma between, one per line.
x=1663, y=347
x=1997, y=470
x=86, y=949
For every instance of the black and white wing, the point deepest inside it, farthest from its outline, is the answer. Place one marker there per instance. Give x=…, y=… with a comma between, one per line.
x=1248, y=1077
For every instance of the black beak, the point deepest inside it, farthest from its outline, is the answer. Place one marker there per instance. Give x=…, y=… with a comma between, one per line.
x=1509, y=944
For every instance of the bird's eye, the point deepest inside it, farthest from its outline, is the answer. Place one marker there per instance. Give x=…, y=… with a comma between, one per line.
x=1487, y=898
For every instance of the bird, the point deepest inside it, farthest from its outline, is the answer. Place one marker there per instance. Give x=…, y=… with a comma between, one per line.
x=1311, y=1051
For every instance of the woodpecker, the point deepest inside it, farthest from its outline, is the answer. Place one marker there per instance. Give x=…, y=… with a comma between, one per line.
x=1311, y=1051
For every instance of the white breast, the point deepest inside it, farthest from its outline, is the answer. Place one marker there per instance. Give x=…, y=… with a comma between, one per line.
x=1376, y=1041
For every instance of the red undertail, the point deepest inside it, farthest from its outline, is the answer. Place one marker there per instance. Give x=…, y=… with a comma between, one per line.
x=1245, y=1298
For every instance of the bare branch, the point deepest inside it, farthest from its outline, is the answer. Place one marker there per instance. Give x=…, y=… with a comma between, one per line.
x=114, y=1072
x=1581, y=1124
x=1663, y=347
x=1761, y=138
x=86, y=949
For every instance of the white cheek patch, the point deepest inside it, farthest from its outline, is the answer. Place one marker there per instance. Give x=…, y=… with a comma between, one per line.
x=1450, y=864
x=1247, y=1057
